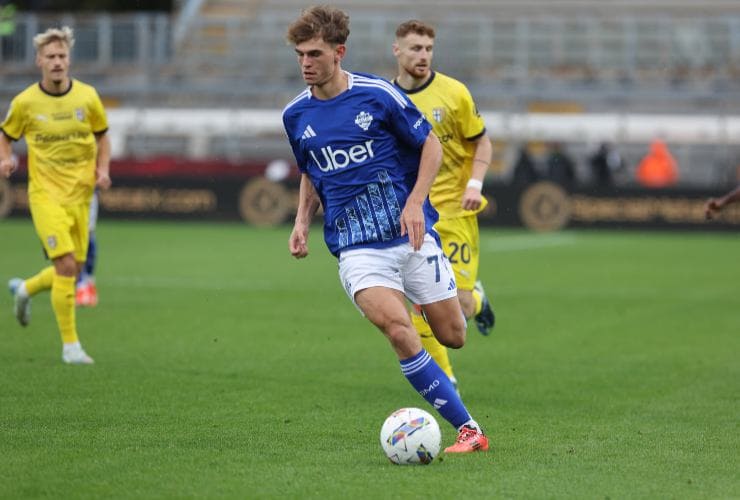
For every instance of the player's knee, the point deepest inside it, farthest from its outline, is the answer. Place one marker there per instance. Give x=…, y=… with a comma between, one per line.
x=396, y=332
x=453, y=334
x=402, y=336
x=65, y=265
x=457, y=341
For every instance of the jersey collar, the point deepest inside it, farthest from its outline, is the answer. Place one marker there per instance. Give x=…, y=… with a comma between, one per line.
x=350, y=82
x=417, y=89
x=71, y=82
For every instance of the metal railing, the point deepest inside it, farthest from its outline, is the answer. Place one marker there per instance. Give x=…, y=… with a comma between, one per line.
x=580, y=58
x=106, y=44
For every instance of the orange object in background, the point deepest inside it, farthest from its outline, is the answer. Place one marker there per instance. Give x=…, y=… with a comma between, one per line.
x=658, y=168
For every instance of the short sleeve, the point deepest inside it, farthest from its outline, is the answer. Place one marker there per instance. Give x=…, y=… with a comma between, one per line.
x=408, y=123
x=471, y=122
x=98, y=118
x=14, y=125
x=294, y=144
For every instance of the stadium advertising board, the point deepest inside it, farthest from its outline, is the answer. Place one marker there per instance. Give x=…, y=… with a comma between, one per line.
x=545, y=206
x=169, y=188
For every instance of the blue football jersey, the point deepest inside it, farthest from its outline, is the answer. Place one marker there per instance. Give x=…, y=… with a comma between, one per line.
x=361, y=150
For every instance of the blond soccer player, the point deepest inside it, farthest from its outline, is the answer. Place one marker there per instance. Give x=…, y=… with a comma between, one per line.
x=64, y=124
x=456, y=192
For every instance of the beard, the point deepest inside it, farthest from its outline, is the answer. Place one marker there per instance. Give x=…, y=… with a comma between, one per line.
x=418, y=71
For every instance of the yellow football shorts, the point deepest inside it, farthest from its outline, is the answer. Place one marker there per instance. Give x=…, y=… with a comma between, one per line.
x=461, y=243
x=62, y=229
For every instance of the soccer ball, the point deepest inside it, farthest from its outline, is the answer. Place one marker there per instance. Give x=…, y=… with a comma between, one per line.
x=410, y=436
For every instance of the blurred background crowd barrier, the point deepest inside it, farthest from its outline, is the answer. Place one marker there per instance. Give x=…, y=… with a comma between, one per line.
x=576, y=93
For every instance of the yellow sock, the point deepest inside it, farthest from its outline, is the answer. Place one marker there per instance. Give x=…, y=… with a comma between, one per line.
x=432, y=345
x=42, y=281
x=478, y=302
x=63, y=303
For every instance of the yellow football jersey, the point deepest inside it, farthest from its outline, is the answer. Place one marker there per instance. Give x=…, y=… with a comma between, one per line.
x=449, y=107
x=60, y=134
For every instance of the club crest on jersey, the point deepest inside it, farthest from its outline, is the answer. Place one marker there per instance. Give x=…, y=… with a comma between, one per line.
x=363, y=120
x=438, y=114
x=80, y=114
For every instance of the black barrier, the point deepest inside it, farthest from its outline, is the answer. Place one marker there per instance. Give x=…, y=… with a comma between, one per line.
x=542, y=206
x=545, y=206
x=255, y=200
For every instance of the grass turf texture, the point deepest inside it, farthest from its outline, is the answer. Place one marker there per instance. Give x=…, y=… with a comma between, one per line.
x=227, y=369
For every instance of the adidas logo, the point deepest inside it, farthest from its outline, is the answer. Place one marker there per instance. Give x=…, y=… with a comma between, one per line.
x=308, y=133
x=451, y=286
x=439, y=403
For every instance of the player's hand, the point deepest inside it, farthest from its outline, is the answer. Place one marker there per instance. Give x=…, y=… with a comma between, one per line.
x=472, y=199
x=711, y=207
x=298, y=241
x=102, y=179
x=8, y=166
x=413, y=224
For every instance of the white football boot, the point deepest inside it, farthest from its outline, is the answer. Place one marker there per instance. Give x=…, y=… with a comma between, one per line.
x=22, y=302
x=73, y=354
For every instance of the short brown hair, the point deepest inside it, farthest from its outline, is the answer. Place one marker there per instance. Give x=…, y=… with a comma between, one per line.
x=414, y=26
x=320, y=21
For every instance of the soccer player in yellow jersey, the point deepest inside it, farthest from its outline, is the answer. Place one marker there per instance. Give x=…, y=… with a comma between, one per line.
x=64, y=124
x=456, y=193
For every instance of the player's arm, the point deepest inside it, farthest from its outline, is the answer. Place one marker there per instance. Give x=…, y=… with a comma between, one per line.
x=412, y=216
x=102, y=170
x=472, y=197
x=308, y=204
x=715, y=205
x=8, y=163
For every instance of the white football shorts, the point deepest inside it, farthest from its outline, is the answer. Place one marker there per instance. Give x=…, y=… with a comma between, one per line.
x=424, y=277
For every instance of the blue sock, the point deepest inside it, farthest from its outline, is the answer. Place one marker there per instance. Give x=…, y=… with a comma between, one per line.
x=92, y=255
x=433, y=384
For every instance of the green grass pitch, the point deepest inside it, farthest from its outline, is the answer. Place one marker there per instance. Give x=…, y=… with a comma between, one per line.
x=227, y=369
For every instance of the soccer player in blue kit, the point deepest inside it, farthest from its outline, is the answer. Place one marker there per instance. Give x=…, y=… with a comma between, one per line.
x=369, y=158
